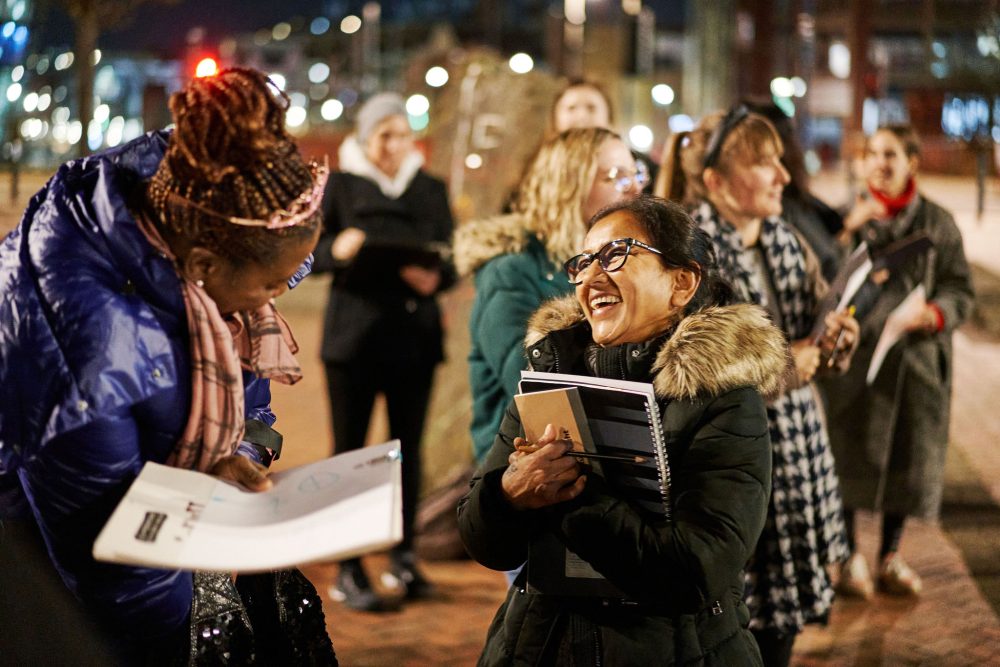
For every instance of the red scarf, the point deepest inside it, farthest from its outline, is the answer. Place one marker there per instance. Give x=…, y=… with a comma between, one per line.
x=896, y=204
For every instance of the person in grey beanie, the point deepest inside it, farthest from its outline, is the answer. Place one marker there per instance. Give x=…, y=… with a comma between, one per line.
x=382, y=332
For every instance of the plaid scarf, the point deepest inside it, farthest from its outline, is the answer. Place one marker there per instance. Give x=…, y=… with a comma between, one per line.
x=786, y=267
x=259, y=341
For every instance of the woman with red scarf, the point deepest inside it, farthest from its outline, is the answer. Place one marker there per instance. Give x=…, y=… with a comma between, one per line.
x=889, y=437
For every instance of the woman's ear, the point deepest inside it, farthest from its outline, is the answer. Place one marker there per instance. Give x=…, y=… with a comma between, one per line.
x=686, y=284
x=201, y=264
x=712, y=179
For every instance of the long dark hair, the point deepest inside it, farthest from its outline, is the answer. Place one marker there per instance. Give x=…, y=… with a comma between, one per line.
x=683, y=244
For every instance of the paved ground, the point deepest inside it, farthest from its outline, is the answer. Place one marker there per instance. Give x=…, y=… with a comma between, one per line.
x=955, y=622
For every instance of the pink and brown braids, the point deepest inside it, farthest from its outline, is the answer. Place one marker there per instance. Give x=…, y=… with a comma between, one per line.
x=229, y=159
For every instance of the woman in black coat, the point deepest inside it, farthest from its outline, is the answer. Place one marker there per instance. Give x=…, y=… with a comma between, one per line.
x=382, y=332
x=647, y=308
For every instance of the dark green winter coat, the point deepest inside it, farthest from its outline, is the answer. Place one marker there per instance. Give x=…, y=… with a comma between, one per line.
x=686, y=574
x=514, y=276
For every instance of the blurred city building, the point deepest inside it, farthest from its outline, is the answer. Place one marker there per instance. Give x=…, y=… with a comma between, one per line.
x=480, y=75
x=852, y=65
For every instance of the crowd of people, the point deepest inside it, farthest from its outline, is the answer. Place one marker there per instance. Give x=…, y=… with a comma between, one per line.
x=137, y=323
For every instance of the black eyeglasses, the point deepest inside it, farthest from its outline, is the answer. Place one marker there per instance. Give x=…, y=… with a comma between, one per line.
x=713, y=151
x=611, y=258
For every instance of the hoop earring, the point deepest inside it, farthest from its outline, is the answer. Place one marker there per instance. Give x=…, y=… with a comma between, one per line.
x=199, y=283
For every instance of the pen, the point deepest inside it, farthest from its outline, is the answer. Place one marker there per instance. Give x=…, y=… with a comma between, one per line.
x=621, y=458
x=607, y=457
x=840, y=337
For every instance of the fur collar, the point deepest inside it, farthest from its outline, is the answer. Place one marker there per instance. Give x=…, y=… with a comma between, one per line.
x=479, y=241
x=352, y=159
x=711, y=352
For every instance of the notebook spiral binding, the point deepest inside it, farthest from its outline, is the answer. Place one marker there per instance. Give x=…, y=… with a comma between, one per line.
x=663, y=463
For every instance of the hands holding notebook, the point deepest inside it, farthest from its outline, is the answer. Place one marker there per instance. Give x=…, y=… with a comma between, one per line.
x=539, y=473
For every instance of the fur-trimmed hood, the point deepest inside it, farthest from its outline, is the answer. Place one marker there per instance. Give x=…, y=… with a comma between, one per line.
x=479, y=241
x=712, y=351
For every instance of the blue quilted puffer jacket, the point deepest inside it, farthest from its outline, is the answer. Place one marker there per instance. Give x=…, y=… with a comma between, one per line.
x=95, y=378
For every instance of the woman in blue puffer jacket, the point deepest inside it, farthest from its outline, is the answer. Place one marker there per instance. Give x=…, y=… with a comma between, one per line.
x=137, y=324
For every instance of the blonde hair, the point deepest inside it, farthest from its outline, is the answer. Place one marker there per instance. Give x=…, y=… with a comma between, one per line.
x=680, y=177
x=555, y=186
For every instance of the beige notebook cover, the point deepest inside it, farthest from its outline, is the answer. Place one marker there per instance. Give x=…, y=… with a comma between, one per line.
x=561, y=408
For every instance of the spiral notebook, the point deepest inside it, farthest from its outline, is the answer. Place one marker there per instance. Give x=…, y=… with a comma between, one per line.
x=612, y=418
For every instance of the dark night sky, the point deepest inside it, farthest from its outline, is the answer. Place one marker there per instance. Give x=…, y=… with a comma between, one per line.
x=162, y=29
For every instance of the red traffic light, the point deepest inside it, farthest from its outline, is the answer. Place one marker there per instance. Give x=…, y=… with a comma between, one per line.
x=206, y=67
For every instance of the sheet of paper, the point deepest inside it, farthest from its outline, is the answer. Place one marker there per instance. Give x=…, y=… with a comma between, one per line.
x=331, y=509
x=895, y=328
x=844, y=287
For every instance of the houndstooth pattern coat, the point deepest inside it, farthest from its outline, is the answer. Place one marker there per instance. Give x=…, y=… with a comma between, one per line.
x=787, y=581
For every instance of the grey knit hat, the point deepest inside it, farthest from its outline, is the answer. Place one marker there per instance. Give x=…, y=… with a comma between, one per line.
x=375, y=110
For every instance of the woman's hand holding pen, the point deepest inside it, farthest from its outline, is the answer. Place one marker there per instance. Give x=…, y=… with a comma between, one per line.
x=539, y=475
x=841, y=335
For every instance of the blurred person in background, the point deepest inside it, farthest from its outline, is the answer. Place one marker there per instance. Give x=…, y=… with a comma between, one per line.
x=586, y=103
x=516, y=258
x=137, y=324
x=890, y=438
x=383, y=334
x=728, y=170
x=649, y=307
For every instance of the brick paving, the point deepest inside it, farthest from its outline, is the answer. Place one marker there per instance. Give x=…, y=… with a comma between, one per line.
x=952, y=623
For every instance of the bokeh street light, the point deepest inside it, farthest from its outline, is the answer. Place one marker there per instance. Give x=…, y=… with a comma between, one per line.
x=295, y=116
x=436, y=76
x=331, y=110
x=206, y=67
x=319, y=72
x=641, y=137
x=662, y=94
x=521, y=63
x=782, y=87
x=350, y=24
x=278, y=80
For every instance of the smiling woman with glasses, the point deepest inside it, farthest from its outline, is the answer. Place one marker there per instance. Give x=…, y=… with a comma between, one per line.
x=665, y=317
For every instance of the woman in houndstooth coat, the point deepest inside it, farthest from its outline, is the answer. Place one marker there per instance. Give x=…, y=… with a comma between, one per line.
x=728, y=170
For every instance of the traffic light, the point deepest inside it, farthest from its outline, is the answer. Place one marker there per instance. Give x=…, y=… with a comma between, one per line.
x=206, y=66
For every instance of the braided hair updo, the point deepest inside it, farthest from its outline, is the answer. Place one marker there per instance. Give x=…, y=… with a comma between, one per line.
x=230, y=157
